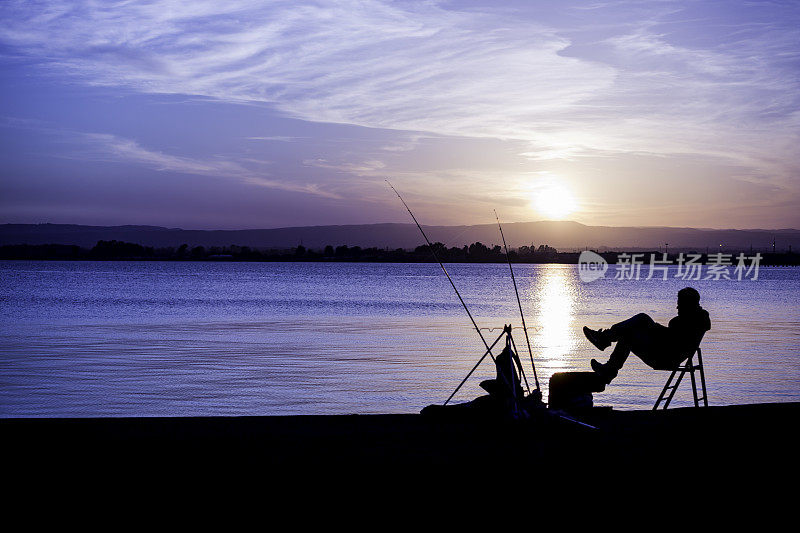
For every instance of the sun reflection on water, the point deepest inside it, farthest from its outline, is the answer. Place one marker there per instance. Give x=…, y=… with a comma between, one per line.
x=554, y=339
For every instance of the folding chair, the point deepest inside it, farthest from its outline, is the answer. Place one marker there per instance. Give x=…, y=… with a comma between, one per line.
x=672, y=383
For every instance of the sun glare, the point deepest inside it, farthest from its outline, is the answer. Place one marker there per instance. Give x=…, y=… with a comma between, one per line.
x=554, y=201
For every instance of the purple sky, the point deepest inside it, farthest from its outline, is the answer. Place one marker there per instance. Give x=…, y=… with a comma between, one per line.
x=245, y=114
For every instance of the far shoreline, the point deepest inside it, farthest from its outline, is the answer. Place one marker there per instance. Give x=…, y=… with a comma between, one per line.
x=474, y=254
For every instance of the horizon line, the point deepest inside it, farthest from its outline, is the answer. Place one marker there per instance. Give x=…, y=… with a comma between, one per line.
x=387, y=223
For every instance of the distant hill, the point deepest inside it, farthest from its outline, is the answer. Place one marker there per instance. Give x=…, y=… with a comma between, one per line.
x=561, y=235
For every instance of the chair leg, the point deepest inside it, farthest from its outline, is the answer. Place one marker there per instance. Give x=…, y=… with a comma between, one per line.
x=674, y=388
x=702, y=377
x=663, y=391
x=670, y=388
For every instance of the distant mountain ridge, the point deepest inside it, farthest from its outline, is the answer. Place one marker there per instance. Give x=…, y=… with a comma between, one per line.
x=563, y=235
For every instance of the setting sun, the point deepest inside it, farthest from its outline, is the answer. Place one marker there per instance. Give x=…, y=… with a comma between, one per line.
x=554, y=201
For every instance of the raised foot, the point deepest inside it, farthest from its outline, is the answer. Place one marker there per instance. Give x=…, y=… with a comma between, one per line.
x=597, y=338
x=605, y=373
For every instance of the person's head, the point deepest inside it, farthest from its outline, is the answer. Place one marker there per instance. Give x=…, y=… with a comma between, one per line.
x=688, y=300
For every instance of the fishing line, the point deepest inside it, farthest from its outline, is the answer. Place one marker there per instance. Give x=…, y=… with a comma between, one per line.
x=533, y=328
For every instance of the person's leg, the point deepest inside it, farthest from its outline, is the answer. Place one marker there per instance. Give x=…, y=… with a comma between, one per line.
x=618, y=357
x=639, y=334
x=635, y=330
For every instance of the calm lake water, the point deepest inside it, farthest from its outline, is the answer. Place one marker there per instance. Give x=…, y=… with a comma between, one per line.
x=183, y=339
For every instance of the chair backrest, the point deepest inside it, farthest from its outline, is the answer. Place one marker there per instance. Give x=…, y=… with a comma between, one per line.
x=699, y=341
x=691, y=361
x=694, y=350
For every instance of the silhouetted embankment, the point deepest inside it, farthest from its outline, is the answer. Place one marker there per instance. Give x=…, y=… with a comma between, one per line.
x=740, y=440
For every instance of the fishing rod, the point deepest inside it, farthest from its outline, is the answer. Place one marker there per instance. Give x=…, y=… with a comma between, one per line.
x=433, y=251
x=475, y=325
x=521, y=314
x=519, y=303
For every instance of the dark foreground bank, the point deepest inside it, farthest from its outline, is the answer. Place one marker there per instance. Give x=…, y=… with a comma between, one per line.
x=742, y=439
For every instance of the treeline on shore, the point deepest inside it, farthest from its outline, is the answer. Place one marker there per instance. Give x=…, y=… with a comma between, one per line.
x=118, y=250
x=474, y=253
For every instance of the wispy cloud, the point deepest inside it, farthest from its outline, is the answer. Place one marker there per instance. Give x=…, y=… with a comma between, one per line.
x=279, y=138
x=113, y=148
x=418, y=66
x=711, y=80
x=410, y=66
x=108, y=147
x=364, y=168
x=406, y=145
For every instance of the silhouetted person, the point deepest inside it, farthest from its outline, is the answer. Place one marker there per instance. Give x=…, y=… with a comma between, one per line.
x=660, y=347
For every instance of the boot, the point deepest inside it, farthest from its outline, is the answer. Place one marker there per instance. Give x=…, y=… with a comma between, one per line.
x=606, y=372
x=599, y=338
